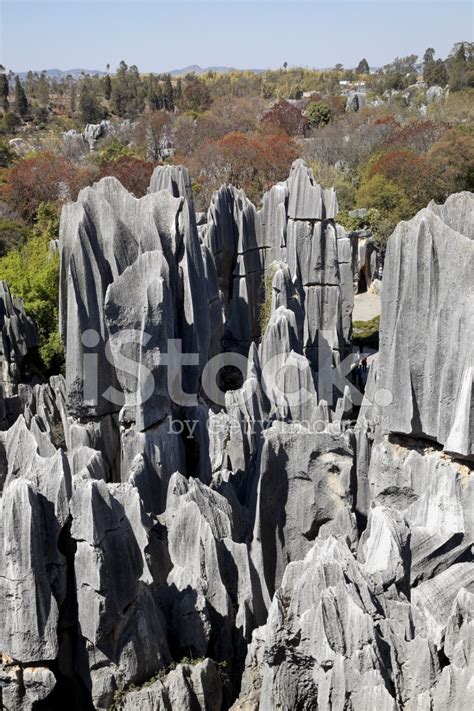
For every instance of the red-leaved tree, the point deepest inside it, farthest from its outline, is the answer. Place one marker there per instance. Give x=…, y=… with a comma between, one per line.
x=44, y=177
x=133, y=173
x=286, y=117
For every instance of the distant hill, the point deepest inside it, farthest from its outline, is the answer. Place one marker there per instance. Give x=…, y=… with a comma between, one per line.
x=60, y=73
x=76, y=73
x=203, y=70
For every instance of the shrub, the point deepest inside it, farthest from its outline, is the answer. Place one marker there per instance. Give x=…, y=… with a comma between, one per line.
x=112, y=150
x=12, y=234
x=366, y=333
x=8, y=123
x=7, y=154
x=391, y=202
x=319, y=113
x=330, y=177
x=266, y=305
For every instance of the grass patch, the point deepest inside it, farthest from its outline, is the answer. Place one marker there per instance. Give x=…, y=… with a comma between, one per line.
x=366, y=333
x=365, y=329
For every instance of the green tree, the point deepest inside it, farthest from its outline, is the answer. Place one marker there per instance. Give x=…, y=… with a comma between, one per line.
x=429, y=55
x=89, y=105
x=154, y=93
x=32, y=271
x=461, y=66
x=42, y=90
x=72, y=97
x=435, y=73
x=363, y=67
x=168, y=94
x=128, y=95
x=319, y=113
x=389, y=199
x=21, y=102
x=8, y=123
x=179, y=90
x=7, y=155
x=107, y=87
x=196, y=95
x=4, y=91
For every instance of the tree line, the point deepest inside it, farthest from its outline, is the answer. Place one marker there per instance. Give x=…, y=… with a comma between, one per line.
x=127, y=93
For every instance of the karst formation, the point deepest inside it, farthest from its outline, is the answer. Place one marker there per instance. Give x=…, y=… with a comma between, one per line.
x=205, y=512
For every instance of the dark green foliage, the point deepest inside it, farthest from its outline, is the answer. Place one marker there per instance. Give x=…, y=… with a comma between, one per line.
x=461, y=66
x=168, y=94
x=89, y=105
x=128, y=94
x=434, y=71
x=319, y=113
x=7, y=155
x=32, y=271
x=42, y=90
x=4, y=91
x=8, y=123
x=363, y=67
x=13, y=234
x=107, y=87
x=196, y=95
x=20, y=102
x=154, y=93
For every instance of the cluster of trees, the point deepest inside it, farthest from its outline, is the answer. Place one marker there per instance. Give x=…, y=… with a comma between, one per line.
x=127, y=93
x=406, y=168
x=457, y=70
x=90, y=99
x=239, y=127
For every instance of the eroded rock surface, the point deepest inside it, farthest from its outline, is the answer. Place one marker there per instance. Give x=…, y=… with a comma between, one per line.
x=249, y=547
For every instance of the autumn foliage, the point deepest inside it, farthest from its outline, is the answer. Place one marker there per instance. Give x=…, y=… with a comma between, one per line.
x=410, y=171
x=44, y=177
x=285, y=117
x=133, y=173
x=252, y=161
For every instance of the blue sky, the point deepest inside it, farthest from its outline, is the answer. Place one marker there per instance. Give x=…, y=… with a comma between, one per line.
x=159, y=36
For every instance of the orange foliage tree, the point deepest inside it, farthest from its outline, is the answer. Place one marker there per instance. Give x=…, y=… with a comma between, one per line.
x=44, y=177
x=133, y=173
x=286, y=117
x=409, y=171
x=252, y=161
x=452, y=160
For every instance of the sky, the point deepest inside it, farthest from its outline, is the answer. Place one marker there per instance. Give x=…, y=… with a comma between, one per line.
x=161, y=35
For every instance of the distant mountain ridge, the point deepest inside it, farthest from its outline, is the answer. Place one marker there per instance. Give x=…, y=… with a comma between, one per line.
x=203, y=70
x=76, y=73
x=60, y=73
